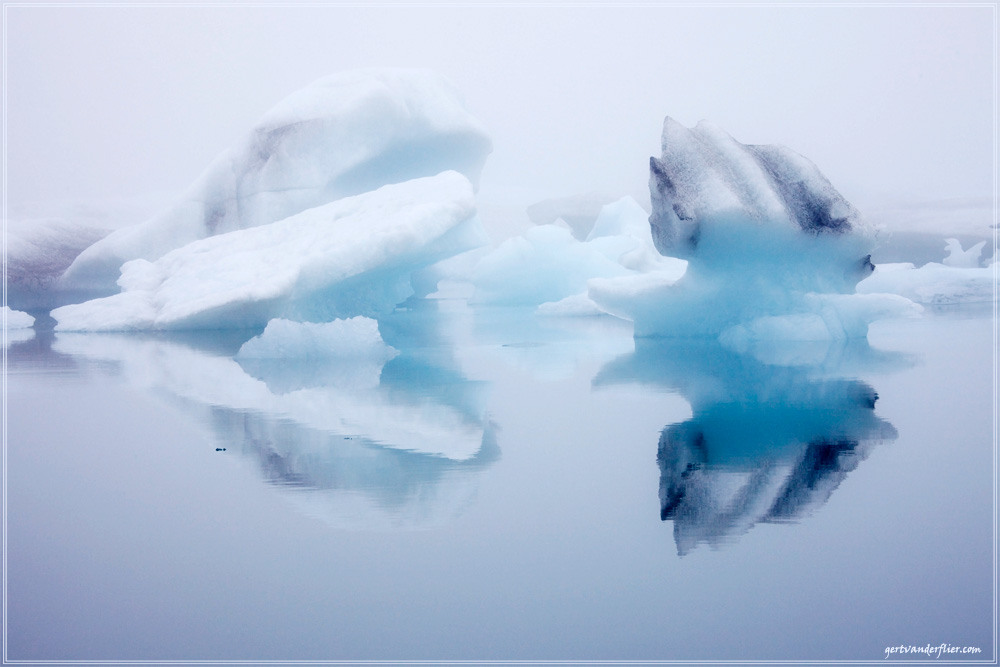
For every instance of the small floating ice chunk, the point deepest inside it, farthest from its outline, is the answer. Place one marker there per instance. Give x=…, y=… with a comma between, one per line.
x=355, y=338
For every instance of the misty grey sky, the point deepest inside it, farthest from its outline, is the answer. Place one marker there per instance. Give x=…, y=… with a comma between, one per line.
x=890, y=102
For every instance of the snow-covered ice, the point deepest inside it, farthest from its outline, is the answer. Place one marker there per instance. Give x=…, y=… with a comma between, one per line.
x=351, y=257
x=343, y=135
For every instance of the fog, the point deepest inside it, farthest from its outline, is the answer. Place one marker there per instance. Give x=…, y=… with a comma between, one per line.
x=894, y=104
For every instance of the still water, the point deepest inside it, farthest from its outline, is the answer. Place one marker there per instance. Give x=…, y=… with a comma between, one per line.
x=507, y=488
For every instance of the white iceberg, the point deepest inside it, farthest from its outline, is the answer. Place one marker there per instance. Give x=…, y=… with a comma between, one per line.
x=354, y=256
x=340, y=136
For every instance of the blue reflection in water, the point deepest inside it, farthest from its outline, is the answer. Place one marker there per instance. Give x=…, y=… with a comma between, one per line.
x=774, y=431
x=365, y=444
x=353, y=442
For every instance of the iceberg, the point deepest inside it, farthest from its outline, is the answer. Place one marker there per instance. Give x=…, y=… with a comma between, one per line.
x=340, y=136
x=351, y=257
x=770, y=245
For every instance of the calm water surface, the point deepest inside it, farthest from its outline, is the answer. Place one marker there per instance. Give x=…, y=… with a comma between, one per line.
x=506, y=488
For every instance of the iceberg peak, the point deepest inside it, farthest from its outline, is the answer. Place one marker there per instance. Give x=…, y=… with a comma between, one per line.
x=340, y=136
x=704, y=175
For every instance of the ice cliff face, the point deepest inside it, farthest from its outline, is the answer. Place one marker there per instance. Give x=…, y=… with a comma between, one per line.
x=342, y=135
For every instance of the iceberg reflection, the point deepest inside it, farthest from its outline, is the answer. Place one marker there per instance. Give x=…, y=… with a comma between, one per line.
x=773, y=432
x=353, y=442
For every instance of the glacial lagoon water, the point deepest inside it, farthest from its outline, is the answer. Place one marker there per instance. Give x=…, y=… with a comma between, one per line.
x=507, y=488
